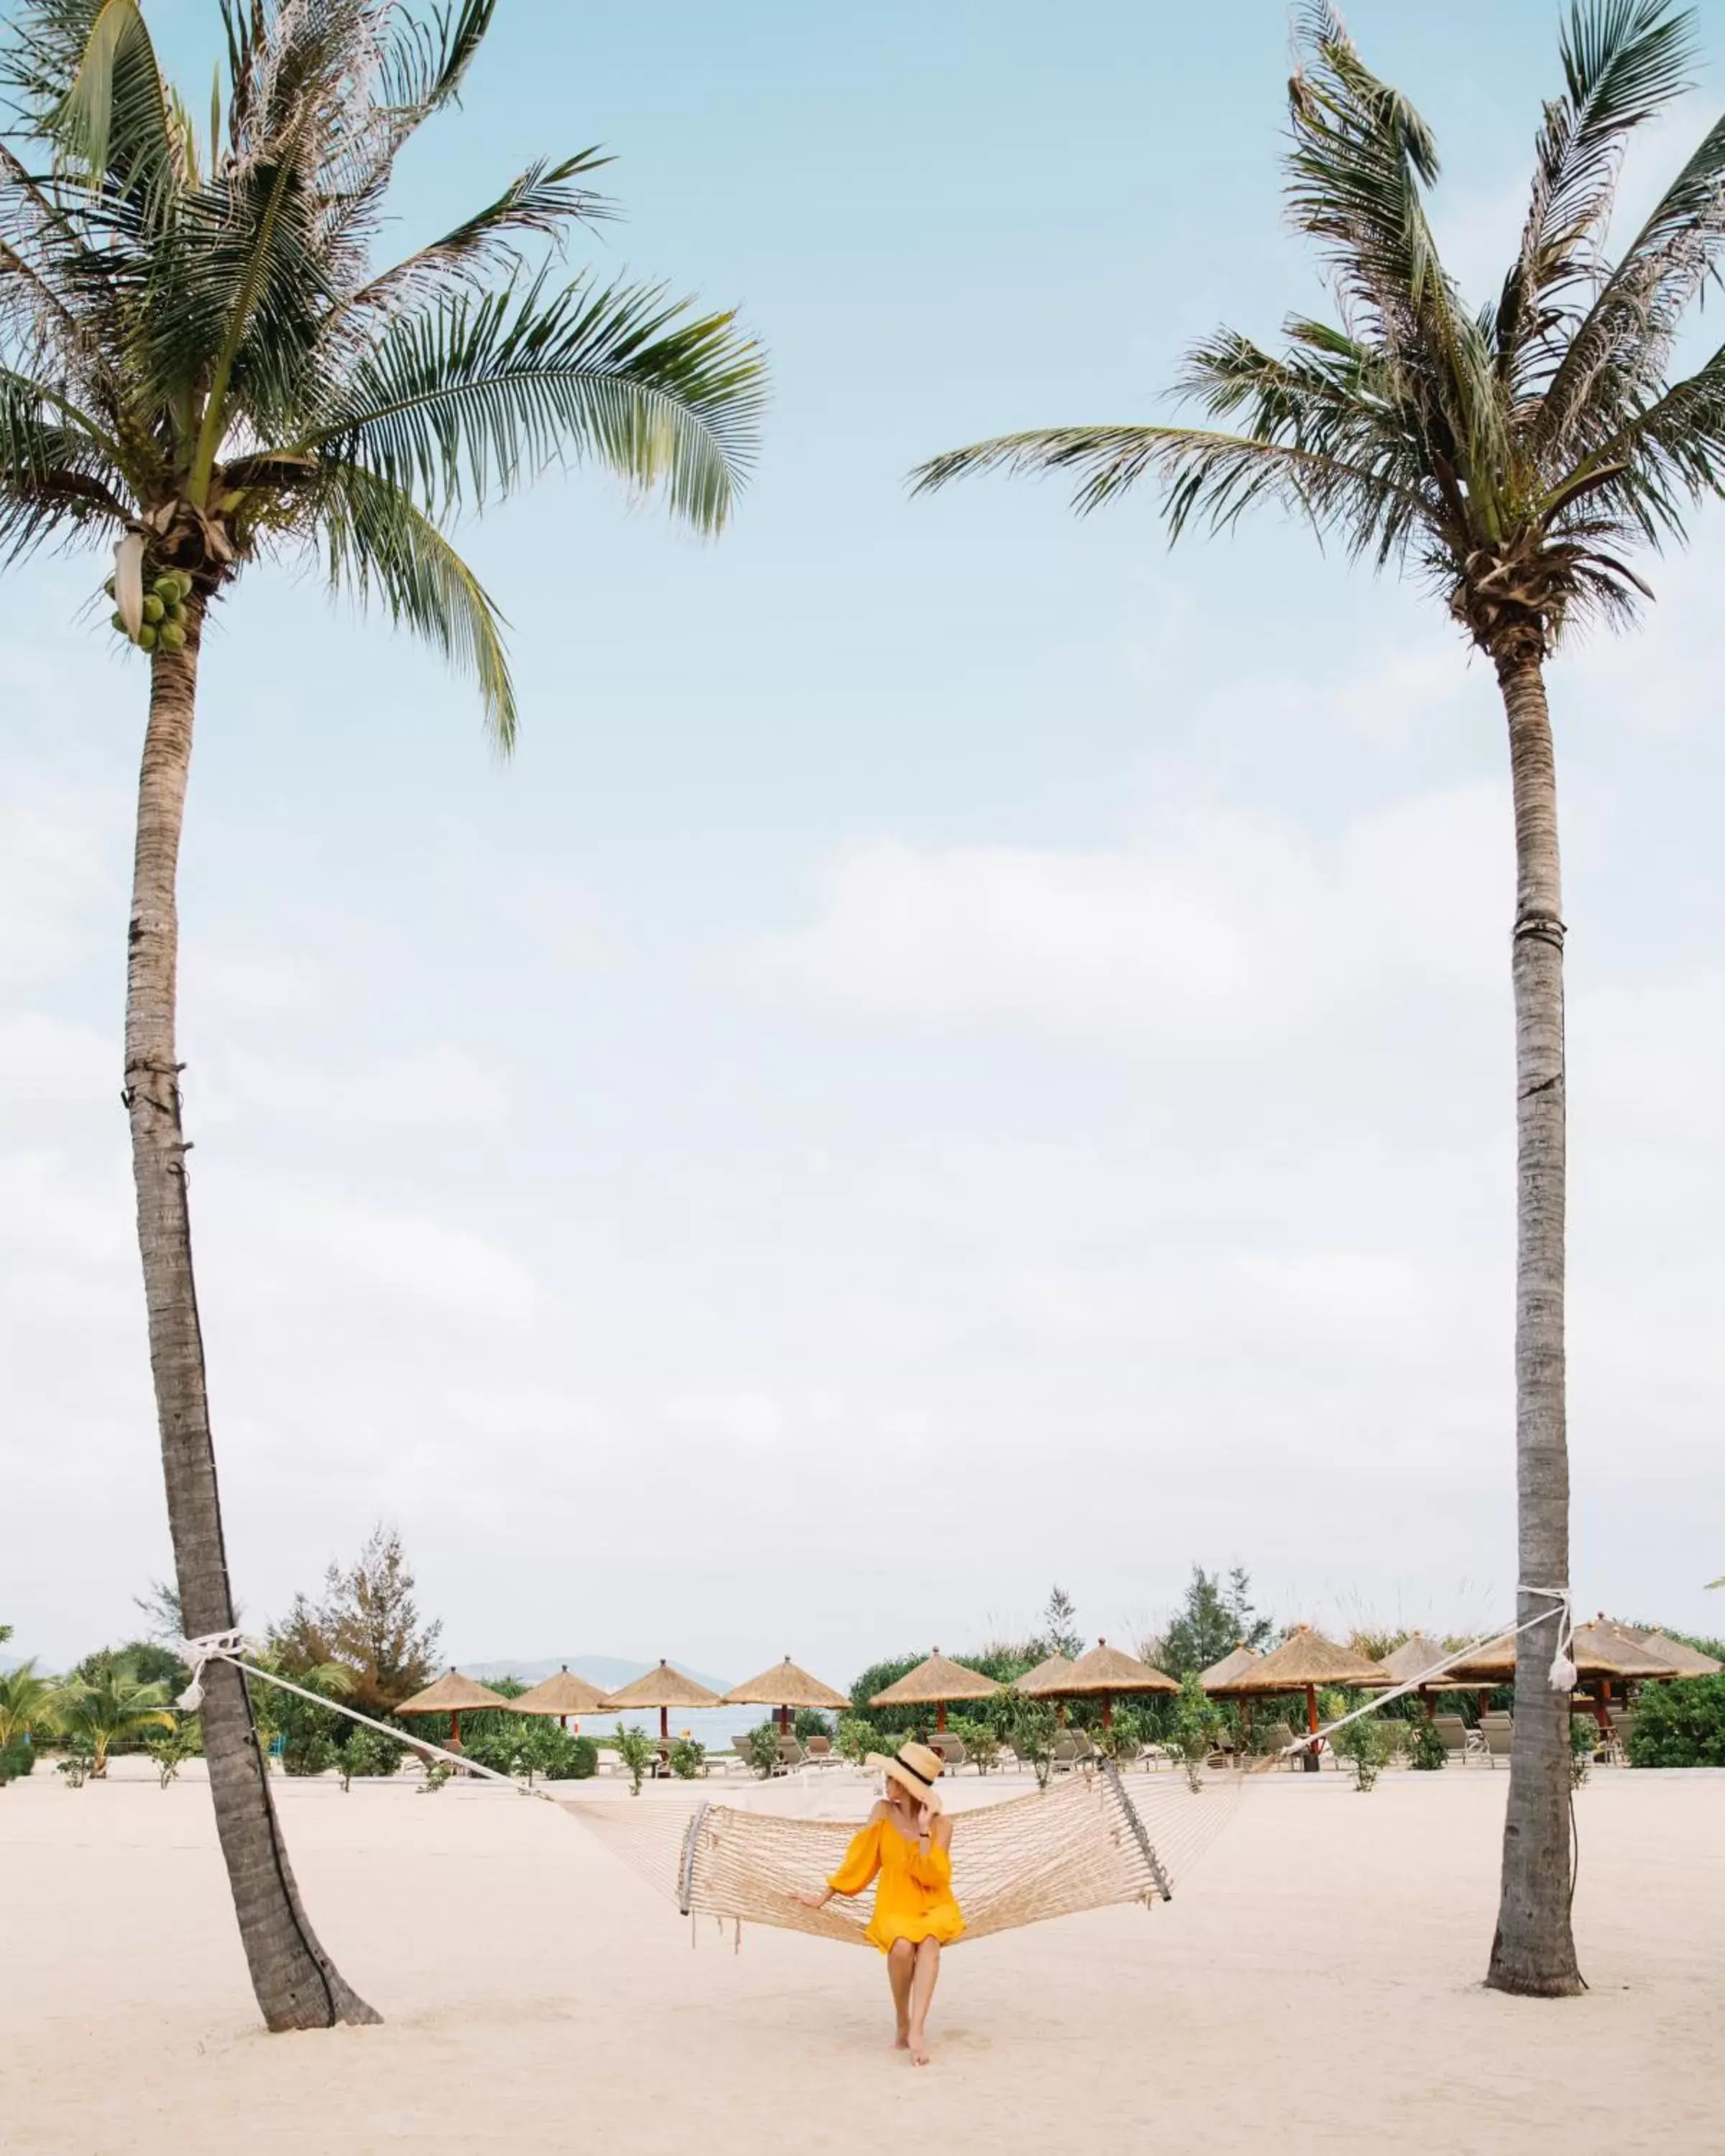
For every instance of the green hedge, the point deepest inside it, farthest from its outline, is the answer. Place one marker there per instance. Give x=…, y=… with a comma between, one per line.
x=1681, y=1724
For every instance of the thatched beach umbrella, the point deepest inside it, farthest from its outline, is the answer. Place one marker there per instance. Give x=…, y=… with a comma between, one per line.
x=455, y=1695
x=1303, y=1661
x=1685, y=1661
x=663, y=1688
x=1416, y=1655
x=1603, y=1657
x=562, y=1695
x=1105, y=1673
x=1239, y=1659
x=1040, y=1683
x=934, y=1683
x=786, y=1687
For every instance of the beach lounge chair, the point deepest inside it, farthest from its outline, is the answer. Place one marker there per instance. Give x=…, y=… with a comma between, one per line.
x=1460, y=1743
x=1086, y=1752
x=791, y=1756
x=1277, y=1739
x=1065, y=1754
x=1498, y=1733
x=951, y=1749
x=820, y=1752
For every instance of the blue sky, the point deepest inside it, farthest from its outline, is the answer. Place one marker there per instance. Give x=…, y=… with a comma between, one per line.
x=965, y=1048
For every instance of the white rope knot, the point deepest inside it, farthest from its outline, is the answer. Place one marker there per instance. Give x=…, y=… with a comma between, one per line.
x=208, y=1647
x=1562, y=1673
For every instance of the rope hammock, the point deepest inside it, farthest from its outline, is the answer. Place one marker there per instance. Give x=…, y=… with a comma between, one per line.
x=1082, y=1844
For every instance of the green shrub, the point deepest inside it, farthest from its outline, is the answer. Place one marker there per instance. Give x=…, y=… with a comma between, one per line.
x=170, y=1751
x=1366, y=1745
x=436, y=1772
x=856, y=1739
x=17, y=1760
x=1425, y=1748
x=760, y=1748
x=77, y=1764
x=638, y=1752
x=1035, y=1730
x=367, y=1754
x=307, y=1752
x=580, y=1762
x=1681, y=1724
x=687, y=1758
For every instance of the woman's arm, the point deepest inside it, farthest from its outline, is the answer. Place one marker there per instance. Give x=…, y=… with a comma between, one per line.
x=932, y=1860
x=862, y=1861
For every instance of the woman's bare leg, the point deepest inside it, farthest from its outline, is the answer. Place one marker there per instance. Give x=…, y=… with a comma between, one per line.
x=924, y=1978
x=901, y=1968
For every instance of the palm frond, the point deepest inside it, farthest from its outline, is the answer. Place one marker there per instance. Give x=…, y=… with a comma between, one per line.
x=378, y=542
x=56, y=481
x=467, y=399
x=1623, y=62
x=1619, y=352
x=540, y=201
x=116, y=120
x=426, y=62
x=1213, y=474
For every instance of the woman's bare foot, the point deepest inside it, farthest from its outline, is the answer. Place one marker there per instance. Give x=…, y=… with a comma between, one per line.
x=917, y=2045
x=901, y=2042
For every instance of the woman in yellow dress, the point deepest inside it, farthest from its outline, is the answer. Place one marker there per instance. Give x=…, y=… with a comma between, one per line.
x=907, y=1845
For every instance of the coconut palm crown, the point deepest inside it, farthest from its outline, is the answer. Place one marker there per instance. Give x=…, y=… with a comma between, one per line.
x=199, y=357
x=1511, y=457
x=1509, y=454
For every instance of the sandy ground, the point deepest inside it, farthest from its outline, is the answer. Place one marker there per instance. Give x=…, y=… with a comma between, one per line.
x=1314, y=1985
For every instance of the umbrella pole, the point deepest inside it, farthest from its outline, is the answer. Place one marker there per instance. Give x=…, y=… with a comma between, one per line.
x=1602, y=1713
x=455, y=1730
x=1431, y=1704
x=940, y=1714
x=1107, y=1710
x=1311, y=1709
x=664, y=1723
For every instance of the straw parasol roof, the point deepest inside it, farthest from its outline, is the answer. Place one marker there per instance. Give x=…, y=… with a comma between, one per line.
x=935, y=1682
x=1597, y=1651
x=1304, y=1659
x=784, y=1685
x=1106, y=1671
x=1687, y=1660
x=664, y=1687
x=1239, y=1659
x=454, y=1694
x=1416, y=1655
x=562, y=1694
x=1044, y=1679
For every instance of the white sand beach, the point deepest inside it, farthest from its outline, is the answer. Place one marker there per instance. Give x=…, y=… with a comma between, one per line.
x=1313, y=1984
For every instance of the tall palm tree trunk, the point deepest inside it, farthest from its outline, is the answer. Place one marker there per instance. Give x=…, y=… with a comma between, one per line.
x=297, y=1985
x=1534, y=1950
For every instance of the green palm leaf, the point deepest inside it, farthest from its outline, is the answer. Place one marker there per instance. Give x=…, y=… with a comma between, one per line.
x=377, y=543
x=465, y=401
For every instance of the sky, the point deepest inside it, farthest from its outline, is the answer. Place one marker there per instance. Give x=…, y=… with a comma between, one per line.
x=966, y=1049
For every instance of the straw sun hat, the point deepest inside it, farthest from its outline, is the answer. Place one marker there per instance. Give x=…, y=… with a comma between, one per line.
x=916, y=1767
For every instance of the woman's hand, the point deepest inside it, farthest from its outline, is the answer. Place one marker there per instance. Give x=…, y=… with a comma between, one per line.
x=814, y=1901
x=925, y=1820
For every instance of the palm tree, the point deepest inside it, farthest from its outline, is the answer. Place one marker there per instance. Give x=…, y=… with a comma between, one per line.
x=199, y=360
x=1508, y=457
x=27, y=1708
x=110, y=1705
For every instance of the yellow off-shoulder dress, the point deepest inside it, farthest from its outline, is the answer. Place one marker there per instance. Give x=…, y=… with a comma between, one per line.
x=914, y=1900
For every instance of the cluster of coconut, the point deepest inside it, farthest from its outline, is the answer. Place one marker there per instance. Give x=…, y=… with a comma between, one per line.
x=164, y=622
